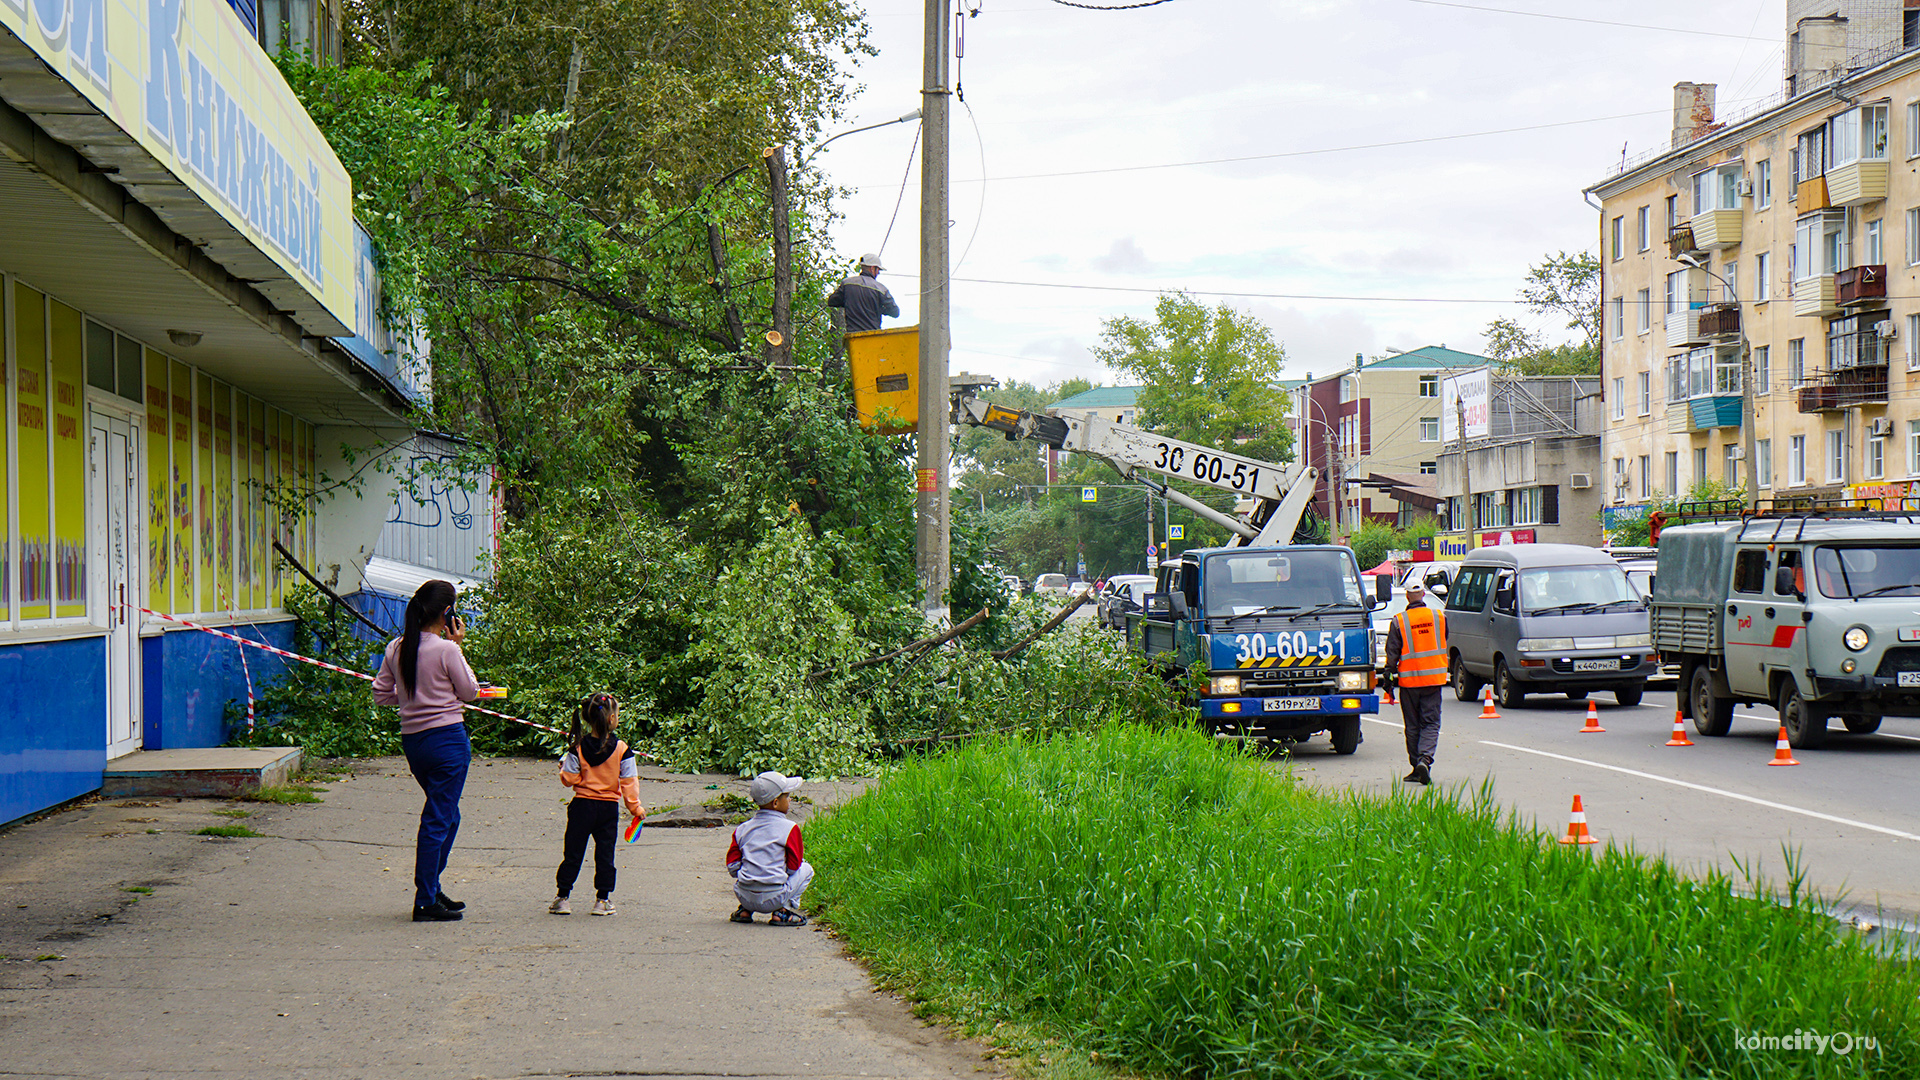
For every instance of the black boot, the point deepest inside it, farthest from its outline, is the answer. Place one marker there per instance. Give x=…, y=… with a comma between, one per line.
x=436, y=912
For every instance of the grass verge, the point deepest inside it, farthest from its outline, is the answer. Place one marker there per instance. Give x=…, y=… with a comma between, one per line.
x=283, y=793
x=1164, y=905
x=236, y=831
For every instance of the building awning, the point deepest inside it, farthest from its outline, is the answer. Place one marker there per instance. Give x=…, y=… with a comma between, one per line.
x=1411, y=490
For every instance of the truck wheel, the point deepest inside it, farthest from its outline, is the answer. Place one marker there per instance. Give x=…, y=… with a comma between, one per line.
x=1711, y=715
x=1863, y=725
x=1806, y=727
x=1629, y=695
x=1466, y=685
x=1505, y=690
x=1346, y=734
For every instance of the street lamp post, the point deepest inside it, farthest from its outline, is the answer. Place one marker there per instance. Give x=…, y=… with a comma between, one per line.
x=901, y=119
x=1747, y=419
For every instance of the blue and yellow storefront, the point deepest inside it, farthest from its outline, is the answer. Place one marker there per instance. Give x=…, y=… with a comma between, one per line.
x=184, y=322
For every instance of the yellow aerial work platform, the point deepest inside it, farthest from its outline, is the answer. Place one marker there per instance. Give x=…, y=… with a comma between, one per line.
x=886, y=378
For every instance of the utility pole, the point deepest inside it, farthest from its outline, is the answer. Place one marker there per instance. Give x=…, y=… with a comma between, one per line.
x=1151, y=547
x=1466, y=484
x=932, y=556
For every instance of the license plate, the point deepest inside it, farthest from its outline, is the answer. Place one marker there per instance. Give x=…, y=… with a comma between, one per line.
x=1596, y=665
x=1909, y=678
x=1291, y=704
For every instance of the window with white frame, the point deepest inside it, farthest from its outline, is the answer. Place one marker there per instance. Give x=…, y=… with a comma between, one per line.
x=1913, y=236
x=1859, y=134
x=1677, y=291
x=1673, y=472
x=1620, y=398
x=1810, y=155
x=1717, y=189
x=1619, y=237
x=1820, y=244
x=1876, y=459
x=1347, y=388
x=1913, y=448
x=1763, y=467
x=1797, y=460
x=1797, y=365
x=1619, y=478
x=1429, y=429
x=1913, y=342
x=1673, y=211
x=1646, y=476
x=1491, y=511
x=1429, y=468
x=1872, y=244
x=1699, y=465
x=1677, y=379
x=1643, y=316
x=1526, y=506
x=1644, y=391
x=1913, y=129
x=1762, y=290
x=1836, y=456
x=1429, y=386
x=1730, y=282
x=1645, y=215
x=1762, y=369
x=1730, y=465
x=1763, y=183
x=1619, y=318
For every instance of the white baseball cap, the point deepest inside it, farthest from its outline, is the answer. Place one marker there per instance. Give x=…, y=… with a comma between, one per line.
x=871, y=259
x=769, y=786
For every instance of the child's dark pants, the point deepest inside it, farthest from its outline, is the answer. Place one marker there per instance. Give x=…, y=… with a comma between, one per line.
x=599, y=819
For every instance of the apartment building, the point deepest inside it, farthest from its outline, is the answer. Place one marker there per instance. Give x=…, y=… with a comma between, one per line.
x=1781, y=247
x=1373, y=431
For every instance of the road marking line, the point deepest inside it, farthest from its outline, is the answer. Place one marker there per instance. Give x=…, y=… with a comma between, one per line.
x=1768, y=803
x=1891, y=735
x=1389, y=723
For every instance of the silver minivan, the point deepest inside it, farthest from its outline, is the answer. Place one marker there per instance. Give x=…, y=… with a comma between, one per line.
x=1547, y=619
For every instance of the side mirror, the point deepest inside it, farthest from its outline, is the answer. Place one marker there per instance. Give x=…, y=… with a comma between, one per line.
x=1383, y=587
x=1178, y=604
x=1438, y=588
x=1783, y=582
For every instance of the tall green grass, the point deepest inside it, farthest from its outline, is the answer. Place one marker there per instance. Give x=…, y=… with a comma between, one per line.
x=1158, y=900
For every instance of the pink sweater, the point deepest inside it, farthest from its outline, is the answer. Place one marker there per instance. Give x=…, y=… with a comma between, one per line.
x=442, y=680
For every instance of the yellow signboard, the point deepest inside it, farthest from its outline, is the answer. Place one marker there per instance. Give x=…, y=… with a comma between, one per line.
x=1451, y=546
x=188, y=82
x=886, y=378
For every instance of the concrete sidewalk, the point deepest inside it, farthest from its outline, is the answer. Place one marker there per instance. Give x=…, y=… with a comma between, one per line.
x=294, y=955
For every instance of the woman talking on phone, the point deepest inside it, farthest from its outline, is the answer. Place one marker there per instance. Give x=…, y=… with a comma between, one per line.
x=426, y=674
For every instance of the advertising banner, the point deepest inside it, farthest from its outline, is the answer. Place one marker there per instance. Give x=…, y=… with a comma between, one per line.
x=1506, y=536
x=1451, y=546
x=1465, y=397
x=186, y=80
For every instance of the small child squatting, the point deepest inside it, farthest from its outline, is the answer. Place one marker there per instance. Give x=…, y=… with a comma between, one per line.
x=765, y=855
x=602, y=773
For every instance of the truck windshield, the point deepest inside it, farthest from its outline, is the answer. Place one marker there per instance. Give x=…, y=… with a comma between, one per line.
x=1281, y=581
x=1574, y=588
x=1860, y=572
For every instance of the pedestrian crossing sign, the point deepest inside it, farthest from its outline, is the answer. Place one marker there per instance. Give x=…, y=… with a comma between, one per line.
x=1176, y=532
x=1089, y=494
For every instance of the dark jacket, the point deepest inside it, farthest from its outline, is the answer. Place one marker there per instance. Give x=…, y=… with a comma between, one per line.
x=865, y=300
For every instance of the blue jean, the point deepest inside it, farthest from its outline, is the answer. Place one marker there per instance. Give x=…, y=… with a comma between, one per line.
x=439, y=758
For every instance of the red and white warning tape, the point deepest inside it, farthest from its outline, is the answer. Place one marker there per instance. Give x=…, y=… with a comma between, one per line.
x=176, y=620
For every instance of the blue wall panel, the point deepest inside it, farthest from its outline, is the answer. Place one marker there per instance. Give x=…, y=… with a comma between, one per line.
x=53, y=723
x=191, y=676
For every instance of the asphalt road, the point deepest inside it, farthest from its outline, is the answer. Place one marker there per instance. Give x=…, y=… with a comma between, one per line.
x=1847, y=811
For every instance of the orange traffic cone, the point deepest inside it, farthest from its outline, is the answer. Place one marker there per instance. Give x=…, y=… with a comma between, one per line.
x=1486, y=710
x=1593, y=721
x=1679, y=731
x=1782, y=752
x=1577, y=826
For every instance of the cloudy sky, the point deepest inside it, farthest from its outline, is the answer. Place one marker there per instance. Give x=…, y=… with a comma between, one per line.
x=1413, y=155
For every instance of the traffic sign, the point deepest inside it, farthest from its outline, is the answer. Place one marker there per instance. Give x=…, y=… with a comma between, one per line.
x=1089, y=494
x=1176, y=532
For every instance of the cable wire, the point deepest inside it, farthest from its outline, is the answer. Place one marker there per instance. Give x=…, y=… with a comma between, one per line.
x=1578, y=19
x=1113, y=7
x=1243, y=295
x=902, y=197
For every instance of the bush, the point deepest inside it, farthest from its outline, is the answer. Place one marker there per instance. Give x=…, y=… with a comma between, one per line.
x=1156, y=900
x=327, y=713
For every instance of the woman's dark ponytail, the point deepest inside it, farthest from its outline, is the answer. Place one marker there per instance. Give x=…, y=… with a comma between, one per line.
x=430, y=603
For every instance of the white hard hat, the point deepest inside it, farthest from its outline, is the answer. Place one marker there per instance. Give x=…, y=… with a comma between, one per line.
x=870, y=259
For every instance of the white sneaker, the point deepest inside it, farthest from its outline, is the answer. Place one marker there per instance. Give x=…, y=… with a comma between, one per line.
x=560, y=906
x=603, y=907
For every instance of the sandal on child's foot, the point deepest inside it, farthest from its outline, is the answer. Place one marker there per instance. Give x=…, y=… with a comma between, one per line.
x=741, y=915
x=786, y=917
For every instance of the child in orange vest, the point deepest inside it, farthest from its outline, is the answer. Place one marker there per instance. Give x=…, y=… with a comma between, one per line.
x=601, y=771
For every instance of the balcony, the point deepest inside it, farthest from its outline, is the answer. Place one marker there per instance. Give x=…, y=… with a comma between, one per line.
x=1680, y=240
x=1720, y=322
x=1856, y=183
x=1811, y=195
x=1844, y=390
x=1683, y=328
x=1815, y=296
x=1716, y=229
x=1860, y=285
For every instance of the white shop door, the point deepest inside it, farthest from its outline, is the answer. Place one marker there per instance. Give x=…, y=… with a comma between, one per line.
x=113, y=528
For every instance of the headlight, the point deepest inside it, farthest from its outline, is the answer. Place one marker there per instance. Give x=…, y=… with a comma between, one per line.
x=1226, y=685
x=1352, y=680
x=1546, y=644
x=1855, y=638
x=1634, y=641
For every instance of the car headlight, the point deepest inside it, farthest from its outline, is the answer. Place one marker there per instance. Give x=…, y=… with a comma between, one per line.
x=1226, y=684
x=1352, y=680
x=1856, y=638
x=1634, y=641
x=1546, y=644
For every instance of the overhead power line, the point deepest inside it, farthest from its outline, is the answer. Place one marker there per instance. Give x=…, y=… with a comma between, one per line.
x=1223, y=292
x=1579, y=19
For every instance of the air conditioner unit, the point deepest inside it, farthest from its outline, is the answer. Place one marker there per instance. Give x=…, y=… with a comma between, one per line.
x=1743, y=186
x=1882, y=426
x=1884, y=329
x=1581, y=481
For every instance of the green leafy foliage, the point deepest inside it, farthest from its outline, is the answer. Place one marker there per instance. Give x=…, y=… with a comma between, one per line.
x=1564, y=286
x=327, y=713
x=1168, y=907
x=1633, y=530
x=1374, y=540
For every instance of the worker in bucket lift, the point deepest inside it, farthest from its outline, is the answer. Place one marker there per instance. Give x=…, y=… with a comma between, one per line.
x=863, y=298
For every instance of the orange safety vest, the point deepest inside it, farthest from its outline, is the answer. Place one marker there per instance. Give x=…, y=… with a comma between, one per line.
x=1423, y=647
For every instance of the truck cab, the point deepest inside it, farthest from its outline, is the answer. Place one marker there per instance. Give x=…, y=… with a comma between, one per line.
x=1283, y=636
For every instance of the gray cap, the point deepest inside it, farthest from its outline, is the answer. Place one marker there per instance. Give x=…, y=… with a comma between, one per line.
x=871, y=259
x=769, y=786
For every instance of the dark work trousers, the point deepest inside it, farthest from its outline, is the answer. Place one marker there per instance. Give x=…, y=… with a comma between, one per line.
x=1420, y=708
x=600, y=819
x=439, y=758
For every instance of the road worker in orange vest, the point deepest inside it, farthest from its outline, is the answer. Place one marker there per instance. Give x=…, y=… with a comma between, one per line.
x=1417, y=664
